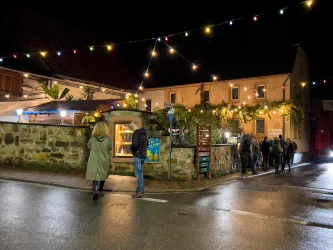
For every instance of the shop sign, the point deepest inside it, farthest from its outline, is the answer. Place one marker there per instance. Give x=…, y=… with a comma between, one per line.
x=154, y=150
x=274, y=132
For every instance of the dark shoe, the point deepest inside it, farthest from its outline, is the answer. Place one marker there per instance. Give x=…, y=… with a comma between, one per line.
x=277, y=172
x=138, y=195
x=283, y=172
x=95, y=196
x=255, y=173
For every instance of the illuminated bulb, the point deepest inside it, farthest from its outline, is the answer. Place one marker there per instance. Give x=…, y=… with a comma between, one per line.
x=95, y=114
x=266, y=107
x=186, y=34
x=239, y=107
x=136, y=95
x=118, y=105
x=244, y=102
x=207, y=30
x=257, y=94
x=7, y=96
x=109, y=47
x=156, y=103
x=1, y=60
x=81, y=87
x=42, y=95
x=214, y=78
x=74, y=51
x=303, y=84
x=166, y=38
x=324, y=81
x=189, y=110
x=103, y=90
x=260, y=112
x=55, y=82
x=26, y=75
x=264, y=90
x=281, y=11
x=194, y=67
x=159, y=39
x=28, y=55
x=124, y=105
x=249, y=97
x=25, y=96
x=59, y=53
x=136, y=100
x=214, y=111
x=91, y=48
x=245, y=88
x=230, y=23
x=231, y=84
x=15, y=56
x=146, y=105
x=274, y=112
x=147, y=74
x=172, y=51
x=143, y=99
x=201, y=111
x=43, y=54
x=255, y=18
x=309, y=3
x=153, y=53
x=140, y=88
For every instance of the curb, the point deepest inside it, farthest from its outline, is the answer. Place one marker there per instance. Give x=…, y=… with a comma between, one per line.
x=188, y=190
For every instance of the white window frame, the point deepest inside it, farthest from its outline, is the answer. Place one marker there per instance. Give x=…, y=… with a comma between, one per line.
x=257, y=88
x=231, y=89
x=256, y=126
x=173, y=93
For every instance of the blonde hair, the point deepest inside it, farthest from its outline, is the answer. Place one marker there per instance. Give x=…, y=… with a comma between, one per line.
x=100, y=129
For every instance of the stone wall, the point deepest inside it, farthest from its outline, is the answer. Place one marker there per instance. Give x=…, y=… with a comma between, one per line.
x=43, y=145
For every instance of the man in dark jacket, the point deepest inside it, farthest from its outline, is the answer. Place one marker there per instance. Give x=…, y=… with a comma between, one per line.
x=283, y=156
x=139, y=150
x=265, y=148
x=245, y=150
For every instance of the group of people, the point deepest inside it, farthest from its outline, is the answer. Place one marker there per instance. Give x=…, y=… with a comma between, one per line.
x=99, y=161
x=277, y=152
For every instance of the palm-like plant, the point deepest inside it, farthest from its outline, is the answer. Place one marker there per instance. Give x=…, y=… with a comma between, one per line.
x=53, y=92
x=88, y=93
x=70, y=98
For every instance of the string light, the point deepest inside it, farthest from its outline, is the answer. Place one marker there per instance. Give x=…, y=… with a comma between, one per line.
x=81, y=87
x=172, y=51
x=143, y=99
x=244, y=102
x=109, y=47
x=91, y=48
x=214, y=78
x=146, y=105
x=257, y=94
x=59, y=53
x=266, y=107
x=249, y=97
x=7, y=96
x=28, y=55
x=245, y=88
x=201, y=111
x=136, y=95
x=26, y=75
x=1, y=60
x=153, y=53
x=207, y=30
x=324, y=81
x=55, y=82
x=231, y=85
x=274, y=112
x=74, y=51
x=43, y=53
x=255, y=18
x=303, y=84
x=230, y=23
x=118, y=105
x=147, y=74
x=194, y=67
x=309, y=3
x=314, y=83
x=140, y=88
x=281, y=11
x=159, y=39
x=166, y=39
x=189, y=110
x=103, y=90
x=25, y=96
x=186, y=34
x=124, y=105
x=15, y=56
x=264, y=90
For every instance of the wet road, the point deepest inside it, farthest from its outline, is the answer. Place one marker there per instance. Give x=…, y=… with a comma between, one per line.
x=267, y=212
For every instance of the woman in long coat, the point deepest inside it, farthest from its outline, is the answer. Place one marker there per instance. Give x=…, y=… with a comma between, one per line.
x=99, y=160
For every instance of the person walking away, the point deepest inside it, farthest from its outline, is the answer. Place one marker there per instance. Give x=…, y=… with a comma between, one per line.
x=255, y=151
x=99, y=160
x=293, y=155
x=283, y=155
x=289, y=154
x=139, y=150
x=277, y=150
x=265, y=148
x=245, y=144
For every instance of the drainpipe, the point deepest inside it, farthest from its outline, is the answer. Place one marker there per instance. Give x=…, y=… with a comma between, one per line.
x=284, y=99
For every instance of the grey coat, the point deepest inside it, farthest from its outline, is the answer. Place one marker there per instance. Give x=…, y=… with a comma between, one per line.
x=99, y=159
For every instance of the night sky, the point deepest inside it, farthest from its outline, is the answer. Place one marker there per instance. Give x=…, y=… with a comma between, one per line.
x=107, y=22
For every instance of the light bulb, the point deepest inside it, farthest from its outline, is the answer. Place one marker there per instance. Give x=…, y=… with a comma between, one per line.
x=264, y=90
x=25, y=96
x=314, y=83
x=231, y=84
x=81, y=87
x=153, y=53
x=249, y=97
x=281, y=11
x=147, y=74
x=207, y=30
x=63, y=113
x=125, y=105
x=255, y=18
x=189, y=110
x=1, y=60
x=28, y=55
x=230, y=23
x=214, y=78
x=245, y=88
x=109, y=47
x=172, y=51
x=140, y=88
x=43, y=53
x=26, y=75
x=194, y=67
x=7, y=96
x=143, y=99
x=309, y=3
x=244, y=102
x=201, y=111
x=74, y=51
x=15, y=56
x=91, y=48
x=166, y=39
x=103, y=90
x=59, y=53
x=186, y=34
x=136, y=95
x=159, y=39
x=266, y=107
x=324, y=81
x=303, y=84
x=146, y=105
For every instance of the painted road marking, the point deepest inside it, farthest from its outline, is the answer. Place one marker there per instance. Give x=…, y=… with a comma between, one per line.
x=144, y=199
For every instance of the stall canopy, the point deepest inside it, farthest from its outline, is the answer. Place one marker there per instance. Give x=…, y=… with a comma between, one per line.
x=54, y=107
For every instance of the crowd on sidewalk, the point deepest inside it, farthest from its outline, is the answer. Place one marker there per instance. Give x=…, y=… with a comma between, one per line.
x=277, y=153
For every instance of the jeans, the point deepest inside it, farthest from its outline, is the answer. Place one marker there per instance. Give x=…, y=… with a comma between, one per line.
x=255, y=161
x=138, y=167
x=245, y=161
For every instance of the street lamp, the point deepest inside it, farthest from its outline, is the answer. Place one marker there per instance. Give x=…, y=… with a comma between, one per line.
x=63, y=114
x=19, y=112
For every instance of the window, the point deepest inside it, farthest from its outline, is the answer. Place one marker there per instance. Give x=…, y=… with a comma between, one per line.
x=123, y=140
x=173, y=97
x=206, y=96
x=260, y=126
x=11, y=84
x=148, y=105
x=234, y=94
x=261, y=92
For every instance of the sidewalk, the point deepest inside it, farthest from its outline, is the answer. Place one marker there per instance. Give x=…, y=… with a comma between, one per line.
x=119, y=183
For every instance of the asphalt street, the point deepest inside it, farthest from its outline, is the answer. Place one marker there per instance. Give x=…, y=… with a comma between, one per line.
x=267, y=212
